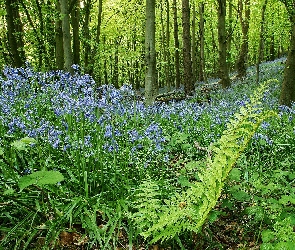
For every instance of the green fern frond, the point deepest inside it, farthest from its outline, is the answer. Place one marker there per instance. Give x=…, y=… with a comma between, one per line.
x=187, y=211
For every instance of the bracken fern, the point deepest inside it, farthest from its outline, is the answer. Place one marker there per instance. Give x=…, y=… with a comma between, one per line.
x=188, y=210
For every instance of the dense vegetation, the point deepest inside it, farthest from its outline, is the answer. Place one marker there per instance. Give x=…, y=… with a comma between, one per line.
x=76, y=159
x=123, y=126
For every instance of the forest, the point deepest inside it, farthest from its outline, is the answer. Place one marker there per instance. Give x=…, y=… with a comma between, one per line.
x=165, y=124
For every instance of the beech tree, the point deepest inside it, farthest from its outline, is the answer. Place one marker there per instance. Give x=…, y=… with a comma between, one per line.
x=150, y=53
x=176, y=45
x=67, y=39
x=186, y=39
x=202, y=76
x=15, y=33
x=223, y=67
x=288, y=87
x=261, y=40
x=59, y=49
x=244, y=15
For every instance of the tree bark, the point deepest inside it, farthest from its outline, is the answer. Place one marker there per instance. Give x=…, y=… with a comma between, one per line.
x=223, y=67
x=261, y=41
x=150, y=54
x=59, y=50
x=176, y=44
x=186, y=38
x=67, y=39
x=230, y=34
x=288, y=87
x=244, y=19
x=86, y=34
x=15, y=33
x=168, y=68
x=194, y=45
x=202, y=43
x=75, y=18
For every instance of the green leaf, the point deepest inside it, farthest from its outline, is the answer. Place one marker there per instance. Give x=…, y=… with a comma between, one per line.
x=214, y=214
x=235, y=174
x=40, y=178
x=183, y=181
x=267, y=236
x=9, y=191
x=289, y=245
x=241, y=195
x=22, y=144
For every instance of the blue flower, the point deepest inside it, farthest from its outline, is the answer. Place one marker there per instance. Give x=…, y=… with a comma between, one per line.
x=108, y=131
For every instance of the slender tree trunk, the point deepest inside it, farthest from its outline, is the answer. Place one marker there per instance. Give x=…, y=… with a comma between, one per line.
x=186, y=38
x=230, y=34
x=194, y=45
x=15, y=33
x=86, y=34
x=202, y=43
x=99, y=18
x=223, y=67
x=97, y=42
x=163, y=48
x=59, y=49
x=288, y=88
x=75, y=18
x=67, y=39
x=168, y=68
x=150, y=53
x=115, y=77
x=244, y=19
x=272, y=47
x=261, y=41
x=176, y=44
x=215, y=50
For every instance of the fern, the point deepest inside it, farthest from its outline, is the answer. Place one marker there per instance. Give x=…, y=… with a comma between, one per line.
x=188, y=210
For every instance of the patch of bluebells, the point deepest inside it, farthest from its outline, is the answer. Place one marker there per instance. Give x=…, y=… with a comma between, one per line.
x=261, y=137
x=53, y=106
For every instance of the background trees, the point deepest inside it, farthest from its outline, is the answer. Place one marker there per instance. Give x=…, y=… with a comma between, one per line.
x=107, y=37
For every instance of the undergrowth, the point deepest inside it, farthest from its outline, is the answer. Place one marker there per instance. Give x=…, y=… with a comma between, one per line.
x=85, y=167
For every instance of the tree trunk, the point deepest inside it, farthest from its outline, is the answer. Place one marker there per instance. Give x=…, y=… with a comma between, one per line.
x=97, y=42
x=241, y=64
x=214, y=51
x=59, y=50
x=163, y=49
x=150, y=53
x=288, y=88
x=168, y=68
x=223, y=67
x=230, y=34
x=67, y=39
x=75, y=18
x=261, y=41
x=202, y=43
x=272, y=47
x=176, y=44
x=186, y=38
x=15, y=33
x=194, y=45
x=115, y=76
x=86, y=34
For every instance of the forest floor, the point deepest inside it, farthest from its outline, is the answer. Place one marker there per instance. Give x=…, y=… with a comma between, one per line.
x=107, y=144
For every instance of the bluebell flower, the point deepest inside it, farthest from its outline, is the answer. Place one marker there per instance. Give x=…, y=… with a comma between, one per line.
x=265, y=125
x=108, y=131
